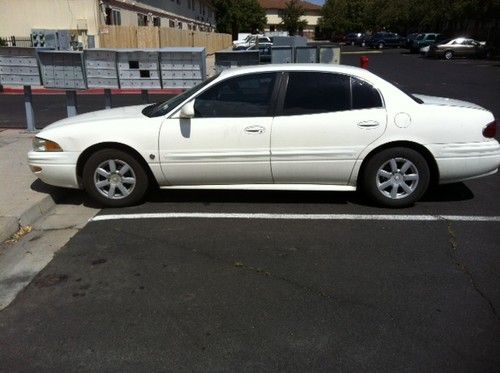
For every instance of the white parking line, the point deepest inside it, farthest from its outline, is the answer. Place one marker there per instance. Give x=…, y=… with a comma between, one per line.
x=266, y=216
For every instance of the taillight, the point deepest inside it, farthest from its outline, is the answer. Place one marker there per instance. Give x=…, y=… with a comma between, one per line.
x=490, y=130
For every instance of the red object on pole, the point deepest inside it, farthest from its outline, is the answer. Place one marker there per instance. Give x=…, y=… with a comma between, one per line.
x=363, y=62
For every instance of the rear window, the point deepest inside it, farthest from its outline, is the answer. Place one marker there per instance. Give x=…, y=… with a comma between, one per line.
x=364, y=95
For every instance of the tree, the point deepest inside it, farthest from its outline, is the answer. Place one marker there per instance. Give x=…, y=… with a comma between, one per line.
x=291, y=17
x=234, y=16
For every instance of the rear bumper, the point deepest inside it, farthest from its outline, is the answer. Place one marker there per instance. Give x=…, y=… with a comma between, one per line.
x=459, y=162
x=55, y=168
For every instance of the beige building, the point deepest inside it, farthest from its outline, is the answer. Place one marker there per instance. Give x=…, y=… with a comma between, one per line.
x=273, y=13
x=85, y=17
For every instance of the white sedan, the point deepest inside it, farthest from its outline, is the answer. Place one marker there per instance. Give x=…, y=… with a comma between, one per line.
x=275, y=127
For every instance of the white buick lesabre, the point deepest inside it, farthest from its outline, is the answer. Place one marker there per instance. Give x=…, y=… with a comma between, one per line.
x=280, y=127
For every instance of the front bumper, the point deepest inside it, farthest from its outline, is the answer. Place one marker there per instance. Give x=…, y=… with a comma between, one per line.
x=55, y=168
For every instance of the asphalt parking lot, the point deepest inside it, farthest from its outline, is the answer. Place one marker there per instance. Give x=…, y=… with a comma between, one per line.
x=361, y=288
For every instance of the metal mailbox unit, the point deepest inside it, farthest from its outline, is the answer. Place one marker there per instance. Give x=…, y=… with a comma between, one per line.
x=139, y=69
x=306, y=55
x=182, y=67
x=100, y=68
x=329, y=54
x=228, y=59
x=62, y=69
x=19, y=66
x=282, y=55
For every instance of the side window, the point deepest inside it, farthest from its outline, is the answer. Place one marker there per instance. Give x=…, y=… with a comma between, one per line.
x=314, y=92
x=364, y=96
x=244, y=96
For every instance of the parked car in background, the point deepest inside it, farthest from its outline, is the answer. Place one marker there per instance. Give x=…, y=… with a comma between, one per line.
x=251, y=40
x=269, y=127
x=410, y=38
x=460, y=47
x=356, y=38
x=424, y=40
x=382, y=40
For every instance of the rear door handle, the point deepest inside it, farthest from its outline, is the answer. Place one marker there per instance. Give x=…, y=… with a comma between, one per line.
x=368, y=124
x=254, y=130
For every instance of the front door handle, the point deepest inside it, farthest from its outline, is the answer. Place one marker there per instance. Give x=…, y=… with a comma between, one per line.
x=368, y=124
x=254, y=130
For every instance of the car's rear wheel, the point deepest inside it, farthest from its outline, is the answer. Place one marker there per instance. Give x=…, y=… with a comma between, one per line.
x=448, y=55
x=115, y=178
x=396, y=177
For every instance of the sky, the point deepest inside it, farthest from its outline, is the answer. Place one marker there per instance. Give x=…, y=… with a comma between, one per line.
x=319, y=2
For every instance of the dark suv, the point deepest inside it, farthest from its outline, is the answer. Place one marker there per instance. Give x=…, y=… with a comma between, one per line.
x=425, y=39
x=386, y=39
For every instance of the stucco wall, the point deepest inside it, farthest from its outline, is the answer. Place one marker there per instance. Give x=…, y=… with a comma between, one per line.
x=18, y=17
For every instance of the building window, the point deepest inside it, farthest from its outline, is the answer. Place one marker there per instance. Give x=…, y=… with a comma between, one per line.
x=171, y=23
x=113, y=17
x=157, y=21
x=142, y=19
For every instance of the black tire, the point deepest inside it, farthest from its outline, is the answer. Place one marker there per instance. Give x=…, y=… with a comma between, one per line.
x=372, y=182
x=380, y=45
x=448, y=55
x=120, y=158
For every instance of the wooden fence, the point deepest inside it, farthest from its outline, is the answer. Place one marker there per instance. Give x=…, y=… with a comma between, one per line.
x=157, y=37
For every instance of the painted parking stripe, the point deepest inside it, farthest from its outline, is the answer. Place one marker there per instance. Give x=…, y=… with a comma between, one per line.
x=267, y=216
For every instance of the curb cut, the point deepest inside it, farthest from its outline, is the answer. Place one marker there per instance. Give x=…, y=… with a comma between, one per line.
x=11, y=225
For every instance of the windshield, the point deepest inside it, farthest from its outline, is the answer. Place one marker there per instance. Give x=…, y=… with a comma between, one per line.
x=420, y=37
x=162, y=108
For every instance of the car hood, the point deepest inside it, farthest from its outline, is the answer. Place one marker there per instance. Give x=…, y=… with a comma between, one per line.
x=443, y=101
x=127, y=112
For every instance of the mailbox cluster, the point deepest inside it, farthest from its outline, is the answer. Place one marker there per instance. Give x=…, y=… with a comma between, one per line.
x=19, y=66
x=228, y=59
x=313, y=54
x=100, y=67
x=182, y=67
x=103, y=68
x=62, y=69
x=138, y=69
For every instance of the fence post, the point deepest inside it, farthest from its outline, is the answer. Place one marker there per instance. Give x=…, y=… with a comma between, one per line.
x=145, y=96
x=107, y=98
x=28, y=105
x=71, y=104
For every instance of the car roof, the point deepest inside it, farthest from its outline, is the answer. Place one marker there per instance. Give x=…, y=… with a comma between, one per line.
x=340, y=69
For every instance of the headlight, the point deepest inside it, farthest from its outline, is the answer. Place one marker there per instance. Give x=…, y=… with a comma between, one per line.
x=42, y=145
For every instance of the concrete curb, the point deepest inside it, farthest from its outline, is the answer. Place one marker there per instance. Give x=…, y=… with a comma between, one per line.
x=10, y=224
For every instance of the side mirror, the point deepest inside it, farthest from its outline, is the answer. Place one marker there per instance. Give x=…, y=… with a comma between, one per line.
x=187, y=111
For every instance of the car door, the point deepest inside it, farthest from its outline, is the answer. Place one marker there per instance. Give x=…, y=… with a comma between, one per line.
x=228, y=139
x=323, y=123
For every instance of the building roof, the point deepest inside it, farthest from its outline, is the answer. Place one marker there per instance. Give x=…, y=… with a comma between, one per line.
x=280, y=4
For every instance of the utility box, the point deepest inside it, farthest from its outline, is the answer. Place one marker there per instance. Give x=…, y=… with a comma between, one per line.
x=139, y=69
x=306, y=55
x=329, y=54
x=282, y=55
x=229, y=59
x=19, y=66
x=100, y=68
x=182, y=67
x=62, y=69
x=51, y=39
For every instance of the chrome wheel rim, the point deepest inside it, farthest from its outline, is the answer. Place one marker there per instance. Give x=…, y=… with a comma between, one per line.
x=114, y=179
x=397, y=178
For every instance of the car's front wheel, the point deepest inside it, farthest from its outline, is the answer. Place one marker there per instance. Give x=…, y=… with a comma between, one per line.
x=448, y=55
x=396, y=177
x=115, y=178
